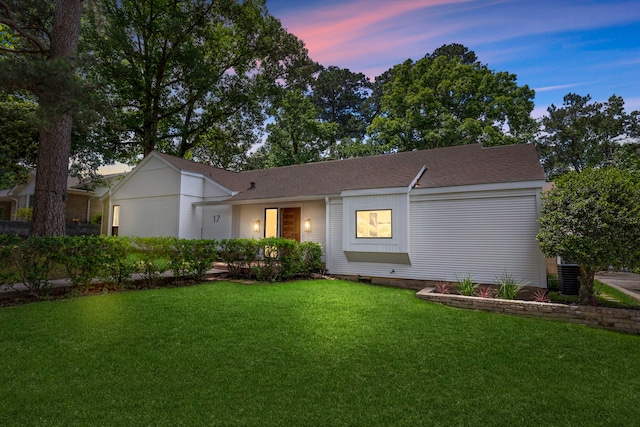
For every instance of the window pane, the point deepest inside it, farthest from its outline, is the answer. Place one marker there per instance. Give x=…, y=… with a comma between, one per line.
x=116, y=216
x=271, y=223
x=373, y=224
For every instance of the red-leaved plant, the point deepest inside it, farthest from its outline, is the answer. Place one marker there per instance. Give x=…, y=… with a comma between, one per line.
x=541, y=295
x=443, y=287
x=485, y=292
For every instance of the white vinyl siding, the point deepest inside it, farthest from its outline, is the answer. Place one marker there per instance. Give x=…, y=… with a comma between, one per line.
x=216, y=222
x=148, y=217
x=483, y=237
x=452, y=235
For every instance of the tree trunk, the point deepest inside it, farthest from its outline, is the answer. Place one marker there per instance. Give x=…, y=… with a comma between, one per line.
x=55, y=138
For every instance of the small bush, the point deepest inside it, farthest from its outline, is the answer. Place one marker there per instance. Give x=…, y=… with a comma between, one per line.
x=32, y=261
x=96, y=219
x=443, y=287
x=118, y=263
x=466, y=286
x=485, y=292
x=23, y=214
x=508, y=287
x=191, y=258
x=82, y=258
x=238, y=255
x=541, y=295
x=153, y=257
x=311, y=258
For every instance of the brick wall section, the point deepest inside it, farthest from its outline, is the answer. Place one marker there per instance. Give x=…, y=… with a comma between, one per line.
x=615, y=319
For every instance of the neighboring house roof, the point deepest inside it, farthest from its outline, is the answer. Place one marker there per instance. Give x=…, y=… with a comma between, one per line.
x=444, y=167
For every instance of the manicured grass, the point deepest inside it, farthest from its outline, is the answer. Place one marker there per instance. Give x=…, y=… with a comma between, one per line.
x=613, y=293
x=305, y=354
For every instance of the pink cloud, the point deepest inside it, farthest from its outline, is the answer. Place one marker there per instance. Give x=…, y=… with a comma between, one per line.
x=359, y=28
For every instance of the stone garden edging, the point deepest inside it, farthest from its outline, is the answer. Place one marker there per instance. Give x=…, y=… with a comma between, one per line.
x=615, y=319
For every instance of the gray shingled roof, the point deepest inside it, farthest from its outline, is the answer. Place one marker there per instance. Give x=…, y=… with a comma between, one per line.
x=445, y=167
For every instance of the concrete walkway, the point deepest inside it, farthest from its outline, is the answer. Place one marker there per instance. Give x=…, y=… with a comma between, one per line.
x=628, y=283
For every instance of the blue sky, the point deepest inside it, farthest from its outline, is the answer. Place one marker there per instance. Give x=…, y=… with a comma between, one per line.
x=554, y=46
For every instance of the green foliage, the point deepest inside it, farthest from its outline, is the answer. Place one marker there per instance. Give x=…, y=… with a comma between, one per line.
x=96, y=219
x=23, y=214
x=19, y=130
x=238, y=254
x=188, y=77
x=592, y=218
x=8, y=246
x=83, y=258
x=297, y=136
x=508, y=286
x=153, y=257
x=340, y=96
x=583, y=134
x=118, y=260
x=443, y=100
x=112, y=260
x=310, y=258
x=191, y=258
x=31, y=261
x=466, y=286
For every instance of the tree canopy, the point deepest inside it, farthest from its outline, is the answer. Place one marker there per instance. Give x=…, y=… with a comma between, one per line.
x=188, y=77
x=592, y=218
x=583, y=133
x=445, y=99
x=297, y=135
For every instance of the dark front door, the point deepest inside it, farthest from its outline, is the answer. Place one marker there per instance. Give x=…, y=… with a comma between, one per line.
x=291, y=223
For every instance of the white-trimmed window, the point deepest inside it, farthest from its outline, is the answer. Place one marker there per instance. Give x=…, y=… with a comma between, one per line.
x=115, y=220
x=373, y=224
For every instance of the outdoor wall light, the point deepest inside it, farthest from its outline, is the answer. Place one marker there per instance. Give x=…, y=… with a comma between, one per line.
x=256, y=226
x=307, y=225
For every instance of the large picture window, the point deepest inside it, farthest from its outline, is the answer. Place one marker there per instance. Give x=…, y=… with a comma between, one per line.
x=373, y=224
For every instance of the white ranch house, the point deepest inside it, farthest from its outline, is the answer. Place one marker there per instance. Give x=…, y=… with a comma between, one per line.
x=426, y=215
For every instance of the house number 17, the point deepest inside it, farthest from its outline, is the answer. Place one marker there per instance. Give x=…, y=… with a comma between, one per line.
x=216, y=218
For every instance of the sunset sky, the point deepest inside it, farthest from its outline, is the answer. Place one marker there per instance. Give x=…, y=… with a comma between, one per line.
x=554, y=46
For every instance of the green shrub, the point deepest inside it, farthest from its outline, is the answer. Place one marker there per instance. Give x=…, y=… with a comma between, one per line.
x=23, y=214
x=191, y=258
x=8, y=244
x=118, y=264
x=32, y=261
x=466, y=286
x=238, y=254
x=153, y=257
x=311, y=258
x=83, y=258
x=508, y=287
x=96, y=219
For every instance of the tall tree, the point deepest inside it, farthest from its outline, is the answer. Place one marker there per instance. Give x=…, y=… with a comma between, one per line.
x=582, y=133
x=340, y=96
x=296, y=136
x=184, y=76
x=443, y=100
x=42, y=61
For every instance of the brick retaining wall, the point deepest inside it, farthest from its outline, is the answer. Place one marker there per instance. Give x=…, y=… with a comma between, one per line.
x=616, y=319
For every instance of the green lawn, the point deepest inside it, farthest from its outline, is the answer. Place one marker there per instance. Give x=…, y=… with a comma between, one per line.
x=313, y=353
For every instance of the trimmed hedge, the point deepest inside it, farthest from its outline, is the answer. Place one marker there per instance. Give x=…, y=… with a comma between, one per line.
x=85, y=260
